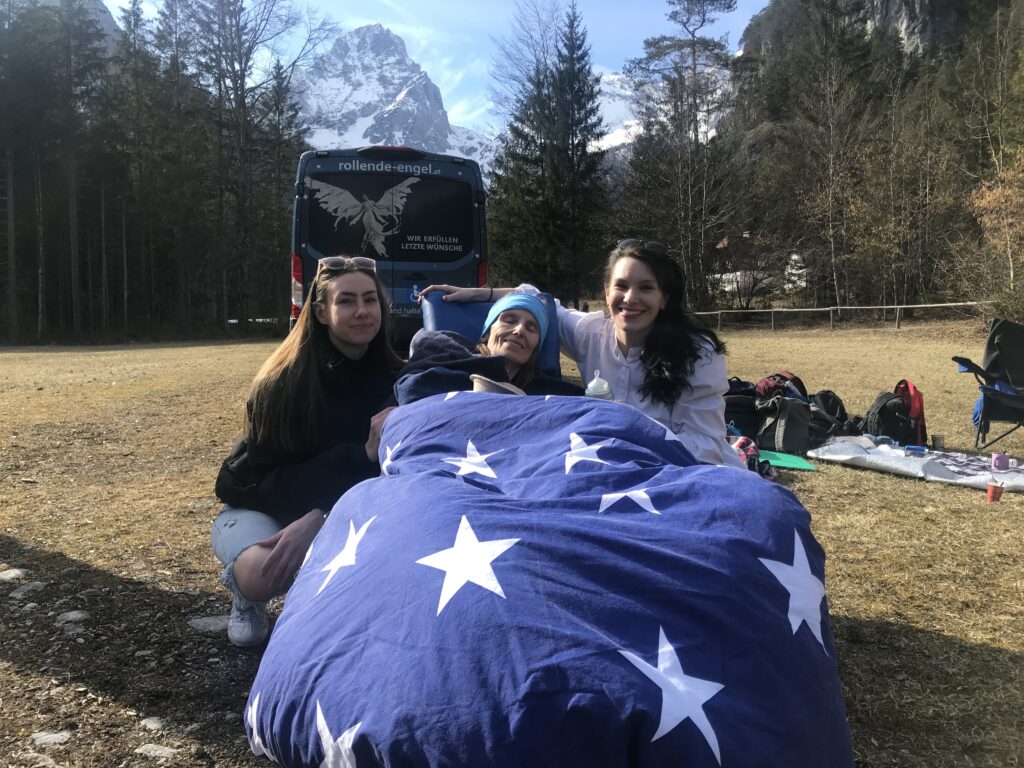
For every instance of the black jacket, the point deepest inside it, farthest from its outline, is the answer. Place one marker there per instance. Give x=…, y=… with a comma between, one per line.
x=442, y=361
x=288, y=484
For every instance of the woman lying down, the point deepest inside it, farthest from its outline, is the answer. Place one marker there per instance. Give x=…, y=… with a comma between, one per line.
x=507, y=353
x=552, y=582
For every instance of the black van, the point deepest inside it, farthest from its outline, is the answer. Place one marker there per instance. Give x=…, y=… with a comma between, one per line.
x=420, y=215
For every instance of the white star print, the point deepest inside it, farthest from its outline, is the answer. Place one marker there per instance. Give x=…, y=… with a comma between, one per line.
x=474, y=463
x=639, y=496
x=347, y=556
x=255, y=742
x=805, y=589
x=682, y=696
x=580, y=451
x=468, y=560
x=387, y=459
x=337, y=752
x=450, y=395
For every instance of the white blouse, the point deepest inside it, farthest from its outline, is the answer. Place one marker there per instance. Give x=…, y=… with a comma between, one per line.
x=697, y=417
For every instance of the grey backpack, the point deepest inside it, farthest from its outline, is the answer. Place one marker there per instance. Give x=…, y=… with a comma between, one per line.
x=786, y=426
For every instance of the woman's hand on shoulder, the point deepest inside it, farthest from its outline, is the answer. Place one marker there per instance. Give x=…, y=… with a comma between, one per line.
x=454, y=293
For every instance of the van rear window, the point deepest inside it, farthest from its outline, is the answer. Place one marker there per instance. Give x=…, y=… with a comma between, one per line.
x=401, y=218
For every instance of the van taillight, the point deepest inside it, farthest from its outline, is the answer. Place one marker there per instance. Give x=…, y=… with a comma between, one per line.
x=481, y=273
x=296, y=285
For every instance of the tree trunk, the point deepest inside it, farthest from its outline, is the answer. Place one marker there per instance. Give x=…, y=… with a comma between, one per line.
x=104, y=288
x=12, y=264
x=124, y=263
x=41, y=324
x=76, y=287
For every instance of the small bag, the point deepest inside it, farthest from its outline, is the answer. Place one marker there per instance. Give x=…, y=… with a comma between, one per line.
x=914, y=401
x=786, y=427
x=785, y=383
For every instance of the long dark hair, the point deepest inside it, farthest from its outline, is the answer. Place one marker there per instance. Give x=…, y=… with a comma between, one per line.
x=676, y=340
x=289, y=380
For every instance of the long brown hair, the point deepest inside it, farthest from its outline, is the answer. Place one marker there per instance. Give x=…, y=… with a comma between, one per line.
x=289, y=380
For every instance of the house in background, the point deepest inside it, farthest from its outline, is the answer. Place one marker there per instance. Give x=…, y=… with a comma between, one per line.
x=758, y=271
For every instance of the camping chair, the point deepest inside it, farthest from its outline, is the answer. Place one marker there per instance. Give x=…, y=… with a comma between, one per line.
x=467, y=318
x=1001, y=380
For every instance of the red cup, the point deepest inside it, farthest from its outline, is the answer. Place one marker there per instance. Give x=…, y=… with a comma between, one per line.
x=995, y=492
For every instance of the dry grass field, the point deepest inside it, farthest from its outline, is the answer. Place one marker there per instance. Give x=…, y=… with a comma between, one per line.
x=107, y=460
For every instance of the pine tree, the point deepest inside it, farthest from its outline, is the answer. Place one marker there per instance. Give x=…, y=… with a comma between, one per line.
x=576, y=187
x=81, y=65
x=547, y=192
x=517, y=229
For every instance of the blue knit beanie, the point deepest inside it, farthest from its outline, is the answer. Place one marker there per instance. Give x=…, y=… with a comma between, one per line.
x=531, y=304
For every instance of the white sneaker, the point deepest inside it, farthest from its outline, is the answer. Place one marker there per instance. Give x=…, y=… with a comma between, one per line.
x=249, y=623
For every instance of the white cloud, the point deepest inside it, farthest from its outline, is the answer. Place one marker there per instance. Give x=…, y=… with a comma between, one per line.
x=444, y=72
x=470, y=113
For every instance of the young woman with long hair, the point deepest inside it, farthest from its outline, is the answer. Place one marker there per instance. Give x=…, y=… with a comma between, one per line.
x=649, y=349
x=312, y=430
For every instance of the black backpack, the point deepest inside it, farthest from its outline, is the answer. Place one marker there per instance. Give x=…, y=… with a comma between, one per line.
x=829, y=418
x=889, y=416
x=740, y=412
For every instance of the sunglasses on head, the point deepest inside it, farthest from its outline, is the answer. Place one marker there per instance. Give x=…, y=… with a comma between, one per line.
x=331, y=263
x=650, y=245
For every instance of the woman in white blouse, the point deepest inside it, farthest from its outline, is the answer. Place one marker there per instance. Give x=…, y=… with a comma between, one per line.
x=649, y=350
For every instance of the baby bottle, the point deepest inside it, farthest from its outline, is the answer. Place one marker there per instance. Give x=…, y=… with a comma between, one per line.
x=598, y=387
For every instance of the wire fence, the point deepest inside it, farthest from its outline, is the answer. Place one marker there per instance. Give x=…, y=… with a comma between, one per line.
x=836, y=312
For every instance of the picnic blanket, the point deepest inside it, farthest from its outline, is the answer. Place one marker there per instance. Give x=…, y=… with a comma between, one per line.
x=938, y=466
x=553, y=582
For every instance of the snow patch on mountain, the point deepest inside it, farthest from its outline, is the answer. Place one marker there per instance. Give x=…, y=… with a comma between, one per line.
x=620, y=123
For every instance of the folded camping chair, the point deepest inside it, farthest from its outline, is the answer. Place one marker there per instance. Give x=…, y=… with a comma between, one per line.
x=1001, y=380
x=467, y=318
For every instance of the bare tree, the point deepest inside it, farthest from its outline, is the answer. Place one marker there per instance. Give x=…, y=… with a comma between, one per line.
x=831, y=129
x=239, y=44
x=528, y=48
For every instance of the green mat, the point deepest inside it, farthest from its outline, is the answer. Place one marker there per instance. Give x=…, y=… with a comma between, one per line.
x=787, y=461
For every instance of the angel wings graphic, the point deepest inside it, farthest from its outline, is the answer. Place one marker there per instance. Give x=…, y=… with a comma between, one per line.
x=379, y=217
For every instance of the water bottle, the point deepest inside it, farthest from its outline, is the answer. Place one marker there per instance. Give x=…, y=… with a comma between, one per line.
x=598, y=387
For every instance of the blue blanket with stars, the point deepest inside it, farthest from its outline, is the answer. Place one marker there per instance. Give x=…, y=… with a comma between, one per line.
x=553, y=582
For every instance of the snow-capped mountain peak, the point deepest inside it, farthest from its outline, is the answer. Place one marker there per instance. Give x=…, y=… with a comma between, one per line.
x=367, y=90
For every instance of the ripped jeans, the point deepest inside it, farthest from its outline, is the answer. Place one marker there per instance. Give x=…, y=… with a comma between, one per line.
x=235, y=530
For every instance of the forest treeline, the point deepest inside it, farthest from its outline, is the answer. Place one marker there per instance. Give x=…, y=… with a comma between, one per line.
x=145, y=184
x=822, y=166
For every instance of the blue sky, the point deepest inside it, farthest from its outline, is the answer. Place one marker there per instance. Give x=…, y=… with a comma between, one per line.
x=452, y=39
